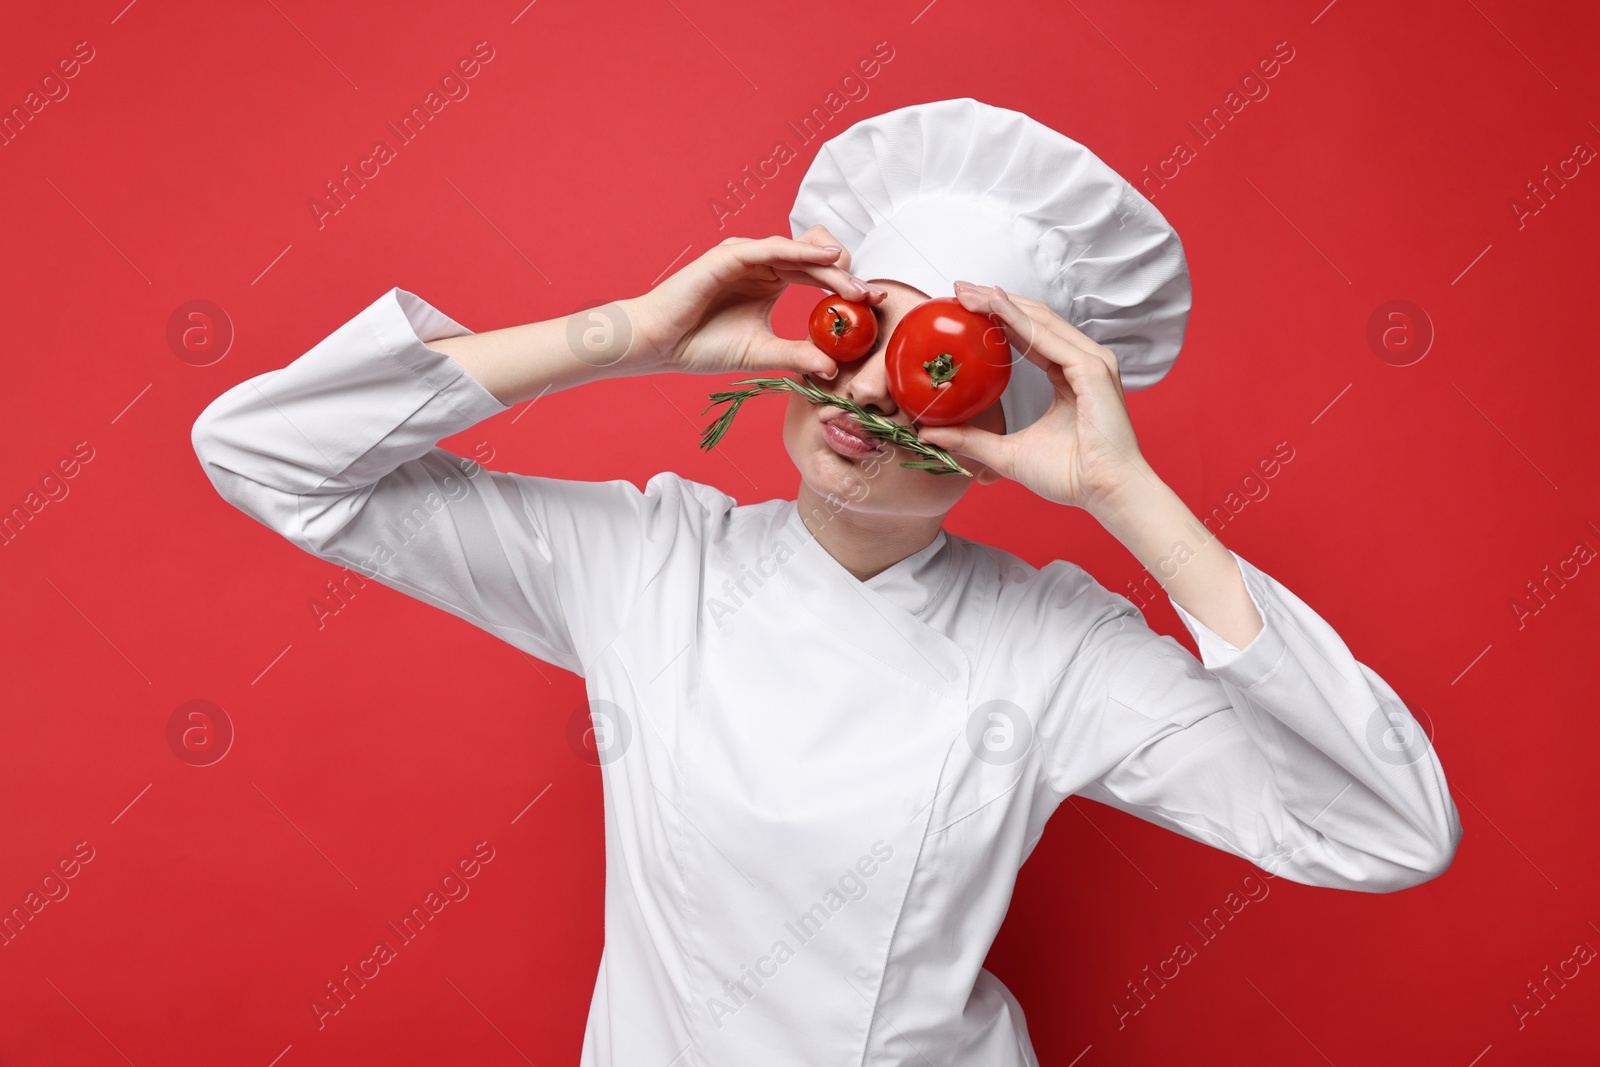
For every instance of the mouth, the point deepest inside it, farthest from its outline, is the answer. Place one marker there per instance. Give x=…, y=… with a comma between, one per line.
x=846, y=436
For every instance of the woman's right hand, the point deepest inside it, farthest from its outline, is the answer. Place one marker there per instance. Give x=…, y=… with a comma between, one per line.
x=714, y=316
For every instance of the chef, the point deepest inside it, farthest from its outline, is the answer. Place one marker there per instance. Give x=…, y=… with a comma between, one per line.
x=832, y=731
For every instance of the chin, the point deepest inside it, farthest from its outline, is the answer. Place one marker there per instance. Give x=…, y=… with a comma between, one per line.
x=859, y=484
x=875, y=485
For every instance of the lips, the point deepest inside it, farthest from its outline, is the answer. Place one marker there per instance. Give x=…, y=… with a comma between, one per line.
x=847, y=436
x=849, y=425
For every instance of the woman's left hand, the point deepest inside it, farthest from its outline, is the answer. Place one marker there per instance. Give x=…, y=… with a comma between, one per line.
x=1083, y=450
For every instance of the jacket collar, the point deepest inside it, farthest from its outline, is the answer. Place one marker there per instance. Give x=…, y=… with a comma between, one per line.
x=899, y=595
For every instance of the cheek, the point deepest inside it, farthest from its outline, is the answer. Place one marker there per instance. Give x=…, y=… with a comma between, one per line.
x=793, y=412
x=903, y=490
x=795, y=425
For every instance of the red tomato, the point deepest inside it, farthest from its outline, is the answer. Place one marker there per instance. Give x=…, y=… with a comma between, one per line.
x=844, y=329
x=945, y=364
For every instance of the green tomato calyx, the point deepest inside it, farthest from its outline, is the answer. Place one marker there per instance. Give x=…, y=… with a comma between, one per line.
x=941, y=368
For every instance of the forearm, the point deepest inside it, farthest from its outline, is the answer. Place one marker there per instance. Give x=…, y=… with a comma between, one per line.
x=1191, y=564
x=520, y=363
x=301, y=447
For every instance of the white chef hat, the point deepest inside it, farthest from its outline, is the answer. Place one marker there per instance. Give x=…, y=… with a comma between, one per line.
x=959, y=189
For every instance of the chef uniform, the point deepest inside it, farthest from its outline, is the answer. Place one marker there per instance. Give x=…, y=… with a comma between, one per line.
x=818, y=790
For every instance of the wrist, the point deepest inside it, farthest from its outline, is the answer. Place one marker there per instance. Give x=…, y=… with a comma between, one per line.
x=615, y=338
x=1135, y=491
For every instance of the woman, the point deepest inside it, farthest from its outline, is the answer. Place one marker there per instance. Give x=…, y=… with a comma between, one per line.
x=833, y=731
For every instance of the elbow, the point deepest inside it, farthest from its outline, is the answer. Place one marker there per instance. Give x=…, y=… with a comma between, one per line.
x=236, y=456
x=1431, y=860
x=202, y=435
x=1402, y=858
x=255, y=466
x=207, y=442
x=238, y=470
x=1445, y=854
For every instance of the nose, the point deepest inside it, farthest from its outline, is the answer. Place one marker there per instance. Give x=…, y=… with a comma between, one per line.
x=868, y=384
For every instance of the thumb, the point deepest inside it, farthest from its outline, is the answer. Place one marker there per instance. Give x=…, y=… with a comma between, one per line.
x=990, y=449
x=779, y=353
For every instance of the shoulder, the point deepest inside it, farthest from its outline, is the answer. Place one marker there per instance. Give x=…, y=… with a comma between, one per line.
x=680, y=513
x=1059, y=609
x=714, y=512
x=668, y=501
x=674, y=486
x=1060, y=587
x=674, y=491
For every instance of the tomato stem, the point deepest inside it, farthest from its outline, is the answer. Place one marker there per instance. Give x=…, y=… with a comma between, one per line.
x=840, y=325
x=941, y=368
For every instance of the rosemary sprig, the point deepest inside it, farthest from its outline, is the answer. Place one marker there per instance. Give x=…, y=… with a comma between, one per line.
x=937, y=460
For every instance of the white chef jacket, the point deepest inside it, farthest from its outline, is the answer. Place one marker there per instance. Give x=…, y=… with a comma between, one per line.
x=813, y=818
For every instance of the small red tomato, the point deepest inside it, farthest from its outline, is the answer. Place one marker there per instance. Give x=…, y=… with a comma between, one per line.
x=945, y=364
x=844, y=329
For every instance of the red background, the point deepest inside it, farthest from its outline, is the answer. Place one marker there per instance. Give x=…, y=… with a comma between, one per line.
x=373, y=753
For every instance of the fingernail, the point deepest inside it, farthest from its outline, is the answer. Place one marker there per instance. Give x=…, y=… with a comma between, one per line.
x=877, y=290
x=963, y=285
x=1002, y=293
x=832, y=248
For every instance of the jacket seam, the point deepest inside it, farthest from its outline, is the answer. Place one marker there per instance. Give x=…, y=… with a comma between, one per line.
x=899, y=914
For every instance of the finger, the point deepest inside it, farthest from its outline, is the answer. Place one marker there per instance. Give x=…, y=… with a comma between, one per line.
x=735, y=258
x=1021, y=332
x=1030, y=330
x=804, y=262
x=819, y=235
x=1044, y=316
x=843, y=283
x=1041, y=317
x=732, y=259
x=768, y=251
x=993, y=450
x=796, y=262
x=771, y=352
x=1083, y=363
x=836, y=278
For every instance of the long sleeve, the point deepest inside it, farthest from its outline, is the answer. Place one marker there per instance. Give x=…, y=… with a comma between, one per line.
x=1288, y=752
x=338, y=452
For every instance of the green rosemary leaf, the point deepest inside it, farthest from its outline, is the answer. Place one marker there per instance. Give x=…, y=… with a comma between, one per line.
x=937, y=460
